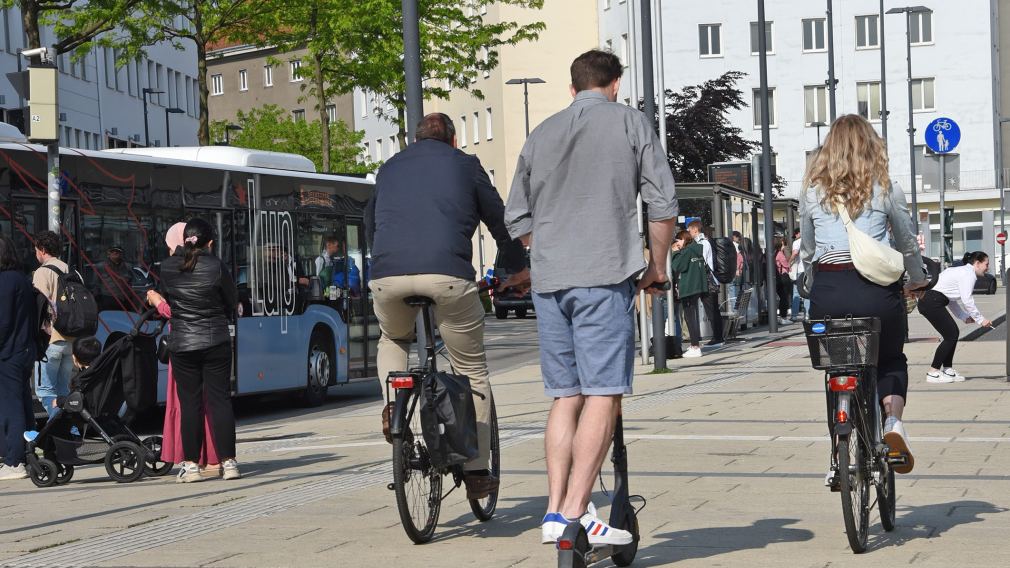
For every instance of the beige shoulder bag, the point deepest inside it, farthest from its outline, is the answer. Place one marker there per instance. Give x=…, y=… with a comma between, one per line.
x=874, y=260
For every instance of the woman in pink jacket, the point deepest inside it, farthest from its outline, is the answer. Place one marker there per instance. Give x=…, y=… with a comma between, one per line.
x=783, y=284
x=171, y=445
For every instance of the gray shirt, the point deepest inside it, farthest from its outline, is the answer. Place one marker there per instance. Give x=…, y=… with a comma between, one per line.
x=575, y=189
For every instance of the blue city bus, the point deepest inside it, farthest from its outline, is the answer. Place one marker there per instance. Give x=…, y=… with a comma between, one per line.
x=273, y=216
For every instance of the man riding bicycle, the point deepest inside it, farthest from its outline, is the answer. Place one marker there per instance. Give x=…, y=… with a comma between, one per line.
x=420, y=223
x=573, y=203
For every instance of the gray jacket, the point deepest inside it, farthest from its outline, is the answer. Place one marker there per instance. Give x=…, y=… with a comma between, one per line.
x=823, y=231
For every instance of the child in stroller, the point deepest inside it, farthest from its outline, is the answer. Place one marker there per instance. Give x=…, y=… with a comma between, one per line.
x=88, y=427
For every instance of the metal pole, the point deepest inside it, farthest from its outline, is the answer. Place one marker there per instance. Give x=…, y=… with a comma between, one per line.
x=649, y=107
x=671, y=308
x=943, y=224
x=831, y=60
x=766, y=160
x=168, y=135
x=412, y=66
x=911, y=127
x=1002, y=210
x=883, y=77
x=53, y=180
x=526, y=105
x=147, y=134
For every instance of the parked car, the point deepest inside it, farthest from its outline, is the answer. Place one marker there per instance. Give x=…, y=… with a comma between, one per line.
x=509, y=299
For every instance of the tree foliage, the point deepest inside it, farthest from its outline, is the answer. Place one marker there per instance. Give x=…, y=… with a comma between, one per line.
x=76, y=23
x=272, y=128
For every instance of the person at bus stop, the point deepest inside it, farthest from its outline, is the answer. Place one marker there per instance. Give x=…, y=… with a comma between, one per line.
x=953, y=291
x=710, y=299
x=171, y=445
x=428, y=201
x=573, y=202
x=851, y=171
x=202, y=296
x=796, y=275
x=58, y=366
x=18, y=326
x=688, y=262
x=114, y=278
x=783, y=284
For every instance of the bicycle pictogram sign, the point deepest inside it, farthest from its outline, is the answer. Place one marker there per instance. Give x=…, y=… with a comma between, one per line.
x=942, y=135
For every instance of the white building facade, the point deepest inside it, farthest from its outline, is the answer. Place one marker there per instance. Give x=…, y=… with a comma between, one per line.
x=101, y=105
x=952, y=72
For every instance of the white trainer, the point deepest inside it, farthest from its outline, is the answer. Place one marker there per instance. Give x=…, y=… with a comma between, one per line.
x=600, y=533
x=552, y=527
x=897, y=442
x=12, y=471
x=692, y=352
x=950, y=372
x=189, y=472
x=229, y=470
x=938, y=377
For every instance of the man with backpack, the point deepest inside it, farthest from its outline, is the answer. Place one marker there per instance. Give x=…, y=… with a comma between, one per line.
x=75, y=311
x=709, y=300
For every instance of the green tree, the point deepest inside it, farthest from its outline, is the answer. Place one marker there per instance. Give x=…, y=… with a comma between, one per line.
x=271, y=128
x=76, y=23
x=359, y=43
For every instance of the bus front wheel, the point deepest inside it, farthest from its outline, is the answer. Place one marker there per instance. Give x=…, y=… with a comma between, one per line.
x=320, y=369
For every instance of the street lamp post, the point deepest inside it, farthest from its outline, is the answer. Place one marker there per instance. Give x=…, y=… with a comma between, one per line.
x=883, y=77
x=908, y=11
x=526, y=82
x=831, y=63
x=818, y=125
x=168, y=135
x=766, y=165
x=147, y=133
x=227, y=133
x=1002, y=229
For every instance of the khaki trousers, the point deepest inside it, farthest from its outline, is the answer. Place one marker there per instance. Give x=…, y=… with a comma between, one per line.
x=459, y=316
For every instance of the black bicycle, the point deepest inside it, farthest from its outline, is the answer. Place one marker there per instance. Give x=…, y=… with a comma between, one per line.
x=846, y=350
x=416, y=480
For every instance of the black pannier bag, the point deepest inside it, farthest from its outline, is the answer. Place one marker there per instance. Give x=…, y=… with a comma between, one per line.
x=448, y=419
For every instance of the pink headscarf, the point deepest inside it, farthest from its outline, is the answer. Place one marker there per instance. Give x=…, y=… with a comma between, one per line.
x=175, y=235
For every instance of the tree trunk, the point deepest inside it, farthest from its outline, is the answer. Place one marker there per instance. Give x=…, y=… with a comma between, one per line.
x=401, y=122
x=324, y=117
x=203, y=133
x=30, y=21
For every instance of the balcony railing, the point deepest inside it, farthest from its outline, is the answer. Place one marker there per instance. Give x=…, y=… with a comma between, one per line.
x=956, y=180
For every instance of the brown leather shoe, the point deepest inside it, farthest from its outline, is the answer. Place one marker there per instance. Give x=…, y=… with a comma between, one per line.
x=387, y=411
x=480, y=486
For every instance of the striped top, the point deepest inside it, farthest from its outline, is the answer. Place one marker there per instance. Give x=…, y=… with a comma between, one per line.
x=836, y=257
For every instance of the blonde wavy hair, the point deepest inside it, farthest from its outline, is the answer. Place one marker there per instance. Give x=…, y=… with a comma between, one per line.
x=852, y=158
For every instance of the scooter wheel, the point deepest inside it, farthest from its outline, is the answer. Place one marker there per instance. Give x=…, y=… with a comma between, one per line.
x=625, y=555
x=573, y=546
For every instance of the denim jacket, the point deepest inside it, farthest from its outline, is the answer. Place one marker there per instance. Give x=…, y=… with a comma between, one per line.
x=823, y=231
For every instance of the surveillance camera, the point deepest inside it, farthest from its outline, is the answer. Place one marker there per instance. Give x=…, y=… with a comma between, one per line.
x=42, y=52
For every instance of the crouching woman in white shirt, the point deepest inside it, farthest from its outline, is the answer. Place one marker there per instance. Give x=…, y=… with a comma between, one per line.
x=953, y=291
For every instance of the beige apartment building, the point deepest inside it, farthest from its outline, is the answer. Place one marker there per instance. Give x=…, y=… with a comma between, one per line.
x=243, y=77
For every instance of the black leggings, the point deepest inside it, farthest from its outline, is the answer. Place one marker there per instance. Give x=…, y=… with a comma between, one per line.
x=196, y=372
x=933, y=306
x=784, y=289
x=846, y=293
x=690, y=306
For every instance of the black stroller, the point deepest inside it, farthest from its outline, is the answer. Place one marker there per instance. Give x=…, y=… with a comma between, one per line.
x=88, y=427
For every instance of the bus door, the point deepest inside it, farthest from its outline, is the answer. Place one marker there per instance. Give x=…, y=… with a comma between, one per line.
x=363, y=328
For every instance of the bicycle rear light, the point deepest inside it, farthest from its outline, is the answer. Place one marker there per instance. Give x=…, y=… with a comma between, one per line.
x=402, y=382
x=843, y=384
x=565, y=544
x=841, y=417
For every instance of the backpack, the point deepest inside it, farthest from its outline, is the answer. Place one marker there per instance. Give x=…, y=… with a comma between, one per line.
x=44, y=324
x=723, y=259
x=76, y=312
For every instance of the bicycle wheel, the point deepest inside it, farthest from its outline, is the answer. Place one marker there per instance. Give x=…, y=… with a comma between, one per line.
x=886, y=498
x=484, y=508
x=855, y=485
x=418, y=485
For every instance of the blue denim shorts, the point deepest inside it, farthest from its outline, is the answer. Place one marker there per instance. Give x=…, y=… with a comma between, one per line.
x=587, y=340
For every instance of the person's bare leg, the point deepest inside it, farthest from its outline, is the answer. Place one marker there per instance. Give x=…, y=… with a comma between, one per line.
x=592, y=440
x=894, y=405
x=562, y=424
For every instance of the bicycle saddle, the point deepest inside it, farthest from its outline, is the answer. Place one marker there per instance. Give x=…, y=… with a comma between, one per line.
x=418, y=301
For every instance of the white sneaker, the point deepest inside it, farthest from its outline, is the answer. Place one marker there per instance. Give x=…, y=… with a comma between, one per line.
x=189, y=473
x=552, y=527
x=693, y=352
x=600, y=533
x=897, y=442
x=12, y=471
x=950, y=372
x=784, y=321
x=938, y=377
x=229, y=470
x=831, y=479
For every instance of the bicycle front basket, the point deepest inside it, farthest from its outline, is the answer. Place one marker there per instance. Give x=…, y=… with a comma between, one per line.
x=843, y=342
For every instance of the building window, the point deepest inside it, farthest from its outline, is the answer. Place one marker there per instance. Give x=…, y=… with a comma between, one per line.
x=814, y=33
x=484, y=57
x=331, y=113
x=815, y=103
x=296, y=71
x=363, y=104
x=243, y=80
x=462, y=132
x=868, y=100
x=476, y=127
x=920, y=28
x=394, y=147
x=754, y=38
x=922, y=95
x=489, y=125
x=868, y=32
x=367, y=154
x=268, y=75
x=606, y=4
x=771, y=108
x=216, y=85
x=378, y=149
x=710, y=40
x=624, y=50
x=298, y=115
x=608, y=46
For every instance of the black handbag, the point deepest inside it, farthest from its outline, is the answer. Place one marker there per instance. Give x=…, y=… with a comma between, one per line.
x=163, y=352
x=448, y=419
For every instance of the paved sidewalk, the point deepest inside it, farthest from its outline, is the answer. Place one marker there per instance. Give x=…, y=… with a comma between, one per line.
x=729, y=450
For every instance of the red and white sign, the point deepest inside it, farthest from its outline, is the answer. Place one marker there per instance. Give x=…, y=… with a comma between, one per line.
x=1001, y=238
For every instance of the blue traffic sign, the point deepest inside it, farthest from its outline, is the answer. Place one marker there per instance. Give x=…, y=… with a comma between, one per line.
x=943, y=135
